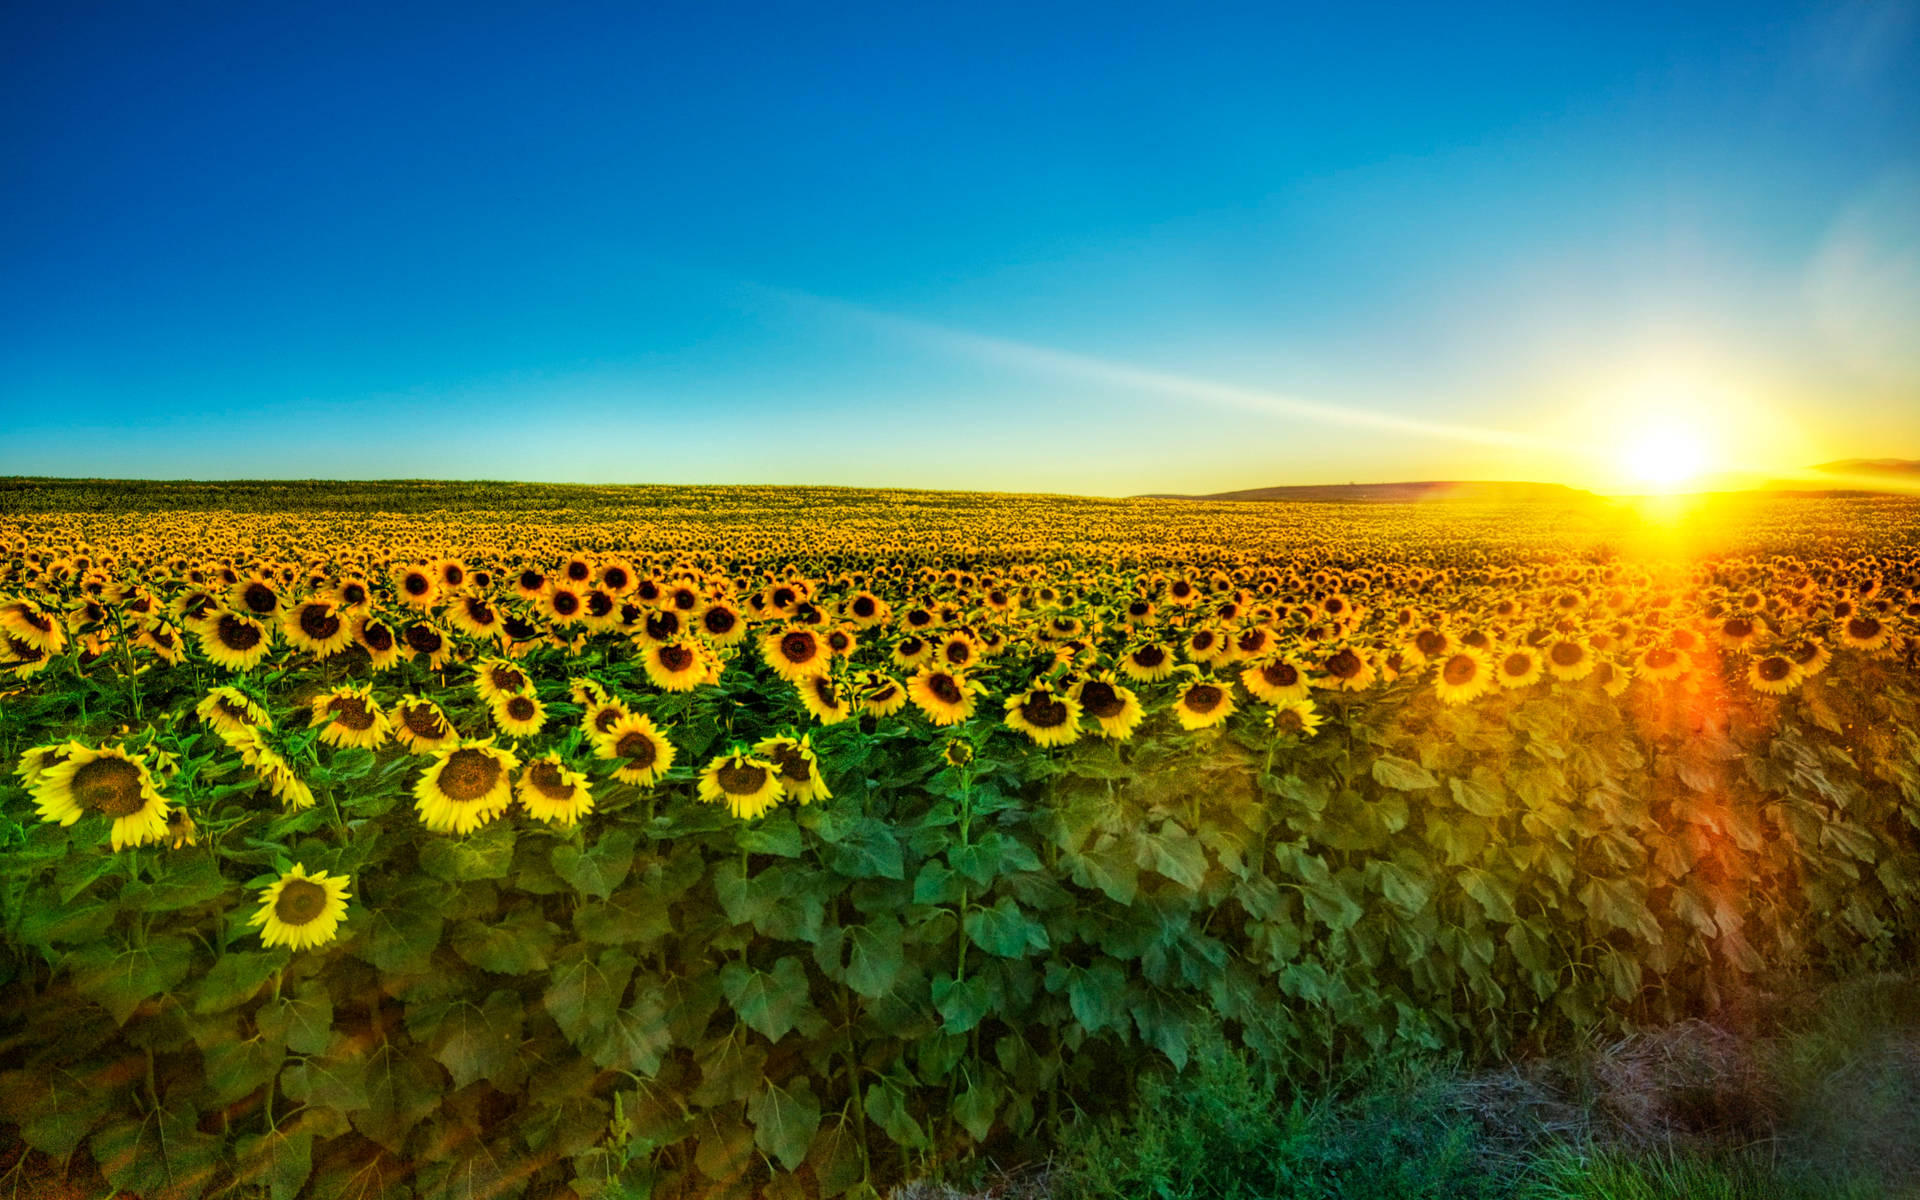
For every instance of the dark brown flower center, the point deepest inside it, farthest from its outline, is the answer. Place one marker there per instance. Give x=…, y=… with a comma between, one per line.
x=792, y=762
x=520, y=708
x=422, y=721
x=663, y=626
x=544, y=775
x=945, y=689
x=110, y=786
x=638, y=749
x=718, y=621
x=1100, y=700
x=1344, y=664
x=236, y=634
x=1517, y=664
x=605, y=718
x=798, y=647
x=676, y=658
x=300, y=902
x=352, y=712
x=259, y=598
x=1774, y=668
x=566, y=603
x=1149, y=656
x=863, y=607
x=1042, y=711
x=422, y=639
x=318, y=622
x=377, y=636
x=741, y=779
x=416, y=584
x=1288, y=721
x=1203, y=698
x=469, y=775
x=1460, y=669
x=506, y=679
x=1863, y=629
x=1567, y=654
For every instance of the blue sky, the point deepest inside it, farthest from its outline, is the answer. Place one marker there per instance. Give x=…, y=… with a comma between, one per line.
x=1083, y=248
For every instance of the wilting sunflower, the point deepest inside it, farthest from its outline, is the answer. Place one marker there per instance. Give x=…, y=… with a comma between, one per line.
x=232, y=641
x=314, y=626
x=230, y=708
x=881, y=695
x=1463, y=675
x=271, y=767
x=551, y=791
x=825, y=698
x=1148, y=664
x=747, y=786
x=348, y=716
x=1203, y=704
x=795, y=652
x=1044, y=715
x=1570, y=659
x=421, y=727
x=945, y=696
x=643, y=752
x=798, y=767
x=1519, y=667
x=520, y=715
x=302, y=911
x=465, y=787
x=677, y=666
x=1295, y=718
x=108, y=781
x=1115, y=710
x=376, y=637
x=1347, y=670
x=1773, y=674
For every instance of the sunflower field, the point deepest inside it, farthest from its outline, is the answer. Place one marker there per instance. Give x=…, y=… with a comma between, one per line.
x=485, y=840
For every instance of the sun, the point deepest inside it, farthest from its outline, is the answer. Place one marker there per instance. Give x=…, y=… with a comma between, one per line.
x=1664, y=456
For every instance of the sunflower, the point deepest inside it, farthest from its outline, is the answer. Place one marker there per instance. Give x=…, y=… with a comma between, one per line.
x=911, y=651
x=1613, y=676
x=1570, y=659
x=563, y=602
x=1203, y=704
x=825, y=699
x=795, y=652
x=721, y=622
x=416, y=586
x=957, y=753
x=600, y=715
x=464, y=787
x=881, y=695
x=1295, y=718
x=1432, y=643
x=643, y=752
x=376, y=638
x=1810, y=655
x=1347, y=670
x=275, y=773
x=1773, y=674
x=586, y=691
x=747, y=786
x=39, y=760
x=348, y=717
x=421, y=727
x=256, y=596
x=945, y=696
x=314, y=626
x=494, y=679
x=1045, y=716
x=798, y=767
x=1464, y=675
x=1115, y=709
x=425, y=640
x=1204, y=646
x=26, y=621
x=232, y=641
x=519, y=715
x=302, y=911
x=353, y=592
x=449, y=573
x=475, y=616
x=550, y=791
x=228, y=707
x=1866, y=632
x=1662, y=662
x=677, y=666
x=109, y=781
x=1147, y=664
x=1519, y=667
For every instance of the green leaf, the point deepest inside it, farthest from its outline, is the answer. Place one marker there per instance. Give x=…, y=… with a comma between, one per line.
x=1107, y=867
x=55, y=1110
x=120, y=978
x=402, y=933
x=631, y=916
x=478, y=1041
x=1176, y=854
x=181, y=881
x=776, y=834
x=770, y=1002
x=403, y=1086
x=636, y=1038
x=961, y=1005
x=1403, y=889
x=725, y=1149
x=487, y=853
x=1493, y=894
x=280, y=1162
x=1098, y=997
x=159, y=1155
x=1402, y=774
x=936, y=884
x=1476, y=797
x=869, y=850
x=517, y=945
x=235, y=1066
x=886, y=1104
x=236, y=978
x=975, y=1107
x=598, y=869
x=304, y=1019
x=784, y=1121
x=586, y=992
x=1005, y=930
x=835, y=1158
x=336, y=1083
x=731, y=1066
x=875, y=956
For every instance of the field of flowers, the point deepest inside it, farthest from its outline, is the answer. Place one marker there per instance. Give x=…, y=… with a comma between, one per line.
x=497, y=840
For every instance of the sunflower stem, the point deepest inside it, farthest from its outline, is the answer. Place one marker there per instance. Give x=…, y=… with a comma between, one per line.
x=126, y=652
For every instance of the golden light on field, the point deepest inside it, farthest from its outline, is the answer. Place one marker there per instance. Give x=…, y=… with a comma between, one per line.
x=1665, y=456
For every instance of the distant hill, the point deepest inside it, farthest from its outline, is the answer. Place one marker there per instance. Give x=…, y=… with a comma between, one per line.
x=1401, y=493
x=1853, y=477
x=1872, y=466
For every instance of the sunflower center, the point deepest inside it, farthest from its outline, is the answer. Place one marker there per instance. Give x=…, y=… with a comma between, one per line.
x=416, y=584
x=1288, y=721
x=718, y=621
x=945, y=689
x=520, y=708
x=351, y=711
x=1461, y=668
x=236, y=634
x=1149, y=656
x=792, y=763
x=676, y=658
x=1043, y=712
x=1517, y=664
x=604, y=719
x=741, y=779
x=1863, y=629
x=1344, y=664
x=300, y=902
x=422, y=721
x=1280, y=674
x=958, y=653
x=599, y=604
x=377, y=637
x=479, y=611
x=638, y=749
x=1203, y=698
x=1430, y=642
x=318, y=623
x=1566, y=654
x=353, y=593
x=422, y=640
x=469, y=775
x=110, y=786
x=1774, y=668
x=798, y=647
x=824, y=690
x=1738, y=627
x=259, y=597
x=507, y=679
x=232, y=711
x=1660, y=657
x=545, y=778
x=1099, y=700
x=863, y=607
x=566, y=603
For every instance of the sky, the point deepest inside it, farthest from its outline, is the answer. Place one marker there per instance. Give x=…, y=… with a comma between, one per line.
x=1088, y=248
